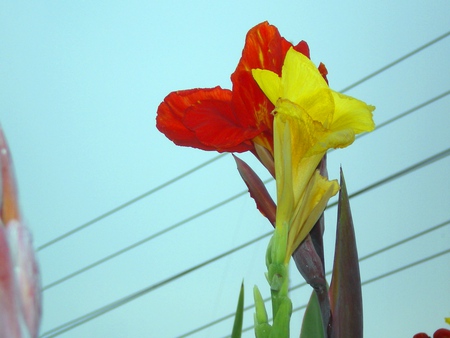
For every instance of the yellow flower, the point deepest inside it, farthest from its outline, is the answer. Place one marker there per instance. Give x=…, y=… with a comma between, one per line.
x=310, y=118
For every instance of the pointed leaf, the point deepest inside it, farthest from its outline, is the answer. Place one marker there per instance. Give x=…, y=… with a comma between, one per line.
x=345, y=289
x=257, y=189
x=238, y=319
x=312, y=321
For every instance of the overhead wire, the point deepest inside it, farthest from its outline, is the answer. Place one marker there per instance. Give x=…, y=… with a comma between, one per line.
x=128, y=203
x=397, y=61
x=213, y=207
x=363, y=258
x=83, y=319
x=146, y=239
x=150, y=192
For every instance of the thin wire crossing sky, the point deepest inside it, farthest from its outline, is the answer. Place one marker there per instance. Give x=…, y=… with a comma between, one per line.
x=81, y=83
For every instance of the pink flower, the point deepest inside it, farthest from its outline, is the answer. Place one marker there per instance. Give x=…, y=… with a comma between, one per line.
x=20, y=295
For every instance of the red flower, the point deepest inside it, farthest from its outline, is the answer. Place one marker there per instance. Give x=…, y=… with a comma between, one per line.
x=230, y=121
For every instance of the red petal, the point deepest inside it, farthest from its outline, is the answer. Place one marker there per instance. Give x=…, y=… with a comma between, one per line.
x=262, y=49
x=172, y=110
x=265, y=49
x=323, y=71
x=251, y=105
x=215, y=124
x=218, y=119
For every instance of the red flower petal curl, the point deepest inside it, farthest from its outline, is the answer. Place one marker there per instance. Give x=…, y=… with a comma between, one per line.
x=172, y=111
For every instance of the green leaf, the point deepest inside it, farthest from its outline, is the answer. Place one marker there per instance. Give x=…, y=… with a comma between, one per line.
x=238, y=319
x=345, y=289
x=312, y=326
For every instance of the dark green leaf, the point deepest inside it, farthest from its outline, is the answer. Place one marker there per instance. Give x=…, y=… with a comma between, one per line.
x=238, y=319
x=312, y=326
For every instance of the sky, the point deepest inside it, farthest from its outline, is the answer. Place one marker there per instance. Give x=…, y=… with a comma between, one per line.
x=80, y=85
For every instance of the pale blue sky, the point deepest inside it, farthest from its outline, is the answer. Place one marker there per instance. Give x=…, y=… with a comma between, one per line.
x=80, y=84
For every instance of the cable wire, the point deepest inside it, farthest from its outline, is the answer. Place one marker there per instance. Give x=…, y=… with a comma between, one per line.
x=372, y=254
x=403, y=58
x=146, y=239
x=126, y=204
x=138, y=198
x=387, y=179
x=81, y=320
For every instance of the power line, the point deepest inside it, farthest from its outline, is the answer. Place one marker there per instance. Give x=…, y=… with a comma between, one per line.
x=374, y=253
x=404, y=57
x=81, y=320
x=407, y=112
x=146, y=239
x=126, y=204
x=387, y=179
x=400, y=173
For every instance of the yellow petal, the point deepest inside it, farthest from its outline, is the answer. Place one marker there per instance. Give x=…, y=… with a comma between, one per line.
x=351, y=113
x=293, y=137
x=303, y=84
x=305, y=146
x=283, y=169
x=309, y=209
x=269, y=82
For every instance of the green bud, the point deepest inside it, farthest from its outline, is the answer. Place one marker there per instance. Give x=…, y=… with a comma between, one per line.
x=260, y=308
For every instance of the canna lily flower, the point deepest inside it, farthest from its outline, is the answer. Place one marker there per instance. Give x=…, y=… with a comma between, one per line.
x=236, y=120
x=310, y=118
x=20, y=298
